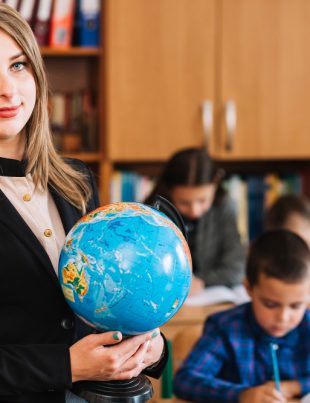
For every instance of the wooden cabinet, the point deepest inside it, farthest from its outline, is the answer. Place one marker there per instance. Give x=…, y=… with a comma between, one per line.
x=263, y=68
x=159, y=70
x=249, y=59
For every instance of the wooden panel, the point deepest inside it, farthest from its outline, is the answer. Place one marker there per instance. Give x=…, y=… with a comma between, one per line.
x=159, y=69
x=265, y=66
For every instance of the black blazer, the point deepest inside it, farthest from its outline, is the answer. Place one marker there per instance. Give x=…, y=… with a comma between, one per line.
x=36, y=324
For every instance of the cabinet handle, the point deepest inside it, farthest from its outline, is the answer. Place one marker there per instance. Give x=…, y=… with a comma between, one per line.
x=207, y=121
x=231, y=122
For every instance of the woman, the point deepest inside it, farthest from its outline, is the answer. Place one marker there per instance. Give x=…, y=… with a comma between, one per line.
x=41, y=197
x=192, y=183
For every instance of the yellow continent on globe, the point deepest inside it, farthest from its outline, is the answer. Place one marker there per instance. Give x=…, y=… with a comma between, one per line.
x=72, y=275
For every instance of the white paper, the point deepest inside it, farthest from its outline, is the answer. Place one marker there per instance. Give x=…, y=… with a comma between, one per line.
x=217, y=295
x=306, y=399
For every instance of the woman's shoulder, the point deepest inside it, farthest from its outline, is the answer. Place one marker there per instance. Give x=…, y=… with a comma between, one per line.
x=82, y=167
x=76, y=164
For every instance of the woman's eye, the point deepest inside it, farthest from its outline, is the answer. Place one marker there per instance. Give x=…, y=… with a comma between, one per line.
x=18, y=66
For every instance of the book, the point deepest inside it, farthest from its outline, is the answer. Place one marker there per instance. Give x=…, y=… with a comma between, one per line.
x=61, y=28
x=87, y=23
x=26, y=10
x=219, y=295
x=13, y=3
x=41, y=21
x=274, y=189
x=237, y=190
x=256, y=204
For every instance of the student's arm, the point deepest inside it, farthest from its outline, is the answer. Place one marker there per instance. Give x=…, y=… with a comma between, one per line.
x=198, y=379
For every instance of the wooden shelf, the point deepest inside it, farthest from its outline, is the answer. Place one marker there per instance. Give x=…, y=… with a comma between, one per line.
x=85, y=156
x=72, y=51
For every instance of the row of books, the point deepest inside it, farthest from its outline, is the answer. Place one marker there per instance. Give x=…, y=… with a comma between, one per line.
x=251, y=194
x=73, y=120
x=130, y=186
x=62, y=23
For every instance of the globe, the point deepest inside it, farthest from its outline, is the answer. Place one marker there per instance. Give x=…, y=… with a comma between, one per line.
x=126, y=267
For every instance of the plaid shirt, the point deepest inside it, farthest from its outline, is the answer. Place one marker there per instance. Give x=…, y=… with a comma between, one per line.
x=233, y=354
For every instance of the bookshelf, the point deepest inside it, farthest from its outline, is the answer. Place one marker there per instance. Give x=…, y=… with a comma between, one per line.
x=70, y=72
x=70, y=52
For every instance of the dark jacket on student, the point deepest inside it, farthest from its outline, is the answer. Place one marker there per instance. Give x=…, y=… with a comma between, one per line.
x=214, y=241
x=36, y=324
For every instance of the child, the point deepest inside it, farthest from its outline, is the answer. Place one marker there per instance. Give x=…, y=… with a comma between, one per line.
x=232, y=362
x=290, y=212
x=191, y=182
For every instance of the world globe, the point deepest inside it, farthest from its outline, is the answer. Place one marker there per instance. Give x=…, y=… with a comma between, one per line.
x=126, y=267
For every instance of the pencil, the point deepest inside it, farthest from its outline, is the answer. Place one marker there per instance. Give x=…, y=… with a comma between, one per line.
x=273, y=349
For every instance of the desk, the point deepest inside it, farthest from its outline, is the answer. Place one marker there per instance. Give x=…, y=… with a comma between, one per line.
x=187, y=316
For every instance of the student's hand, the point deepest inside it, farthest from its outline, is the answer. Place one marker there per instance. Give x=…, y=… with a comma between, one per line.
x=266, y=393
x=197, y=286
x=290, y=389
x=103, y=357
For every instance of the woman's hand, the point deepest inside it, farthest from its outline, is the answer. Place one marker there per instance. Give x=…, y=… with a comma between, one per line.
x=103, y=357
x=154, y=349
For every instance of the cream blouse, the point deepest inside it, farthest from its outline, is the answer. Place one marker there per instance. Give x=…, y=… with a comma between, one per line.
x=38, y=210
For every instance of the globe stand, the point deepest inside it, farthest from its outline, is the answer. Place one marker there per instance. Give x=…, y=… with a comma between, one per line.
x=135, y=390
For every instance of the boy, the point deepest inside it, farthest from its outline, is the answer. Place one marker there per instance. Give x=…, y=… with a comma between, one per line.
x=232, y=362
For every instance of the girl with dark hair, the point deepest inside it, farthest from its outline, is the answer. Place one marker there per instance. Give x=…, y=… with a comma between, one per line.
x=191, y=181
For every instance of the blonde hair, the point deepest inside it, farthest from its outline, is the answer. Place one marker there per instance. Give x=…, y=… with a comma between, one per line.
x=47, y=168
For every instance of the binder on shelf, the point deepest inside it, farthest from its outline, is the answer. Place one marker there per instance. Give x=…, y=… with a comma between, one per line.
x=41, y=21
x=62, y=23
x=256, y=204
x=13, y=3
x=87, y=23
x=26, y=10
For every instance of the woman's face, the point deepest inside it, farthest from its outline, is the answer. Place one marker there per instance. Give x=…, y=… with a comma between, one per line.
x=17, y=93
x=193, y=201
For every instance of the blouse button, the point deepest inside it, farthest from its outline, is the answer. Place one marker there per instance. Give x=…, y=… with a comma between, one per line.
x=48, y=232
x=27, y=197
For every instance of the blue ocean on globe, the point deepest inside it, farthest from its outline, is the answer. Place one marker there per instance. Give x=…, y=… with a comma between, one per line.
x=126, y=267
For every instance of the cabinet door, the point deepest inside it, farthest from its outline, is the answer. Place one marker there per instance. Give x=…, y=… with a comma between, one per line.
x=159, y=71
x=265, y=65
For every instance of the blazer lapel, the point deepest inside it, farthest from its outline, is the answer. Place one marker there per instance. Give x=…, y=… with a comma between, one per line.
x=13, y=220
